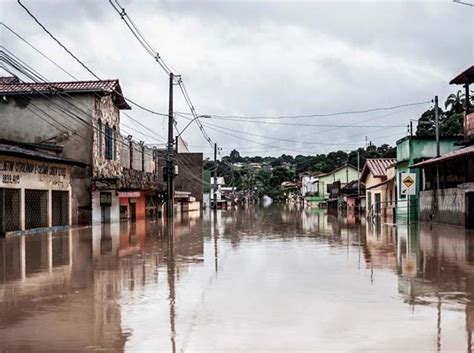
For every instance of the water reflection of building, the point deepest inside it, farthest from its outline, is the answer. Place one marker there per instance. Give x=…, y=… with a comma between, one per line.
x=436, y=267
x=62, y=291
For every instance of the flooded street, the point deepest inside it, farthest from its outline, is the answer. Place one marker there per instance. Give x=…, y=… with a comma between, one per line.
x=258, y=280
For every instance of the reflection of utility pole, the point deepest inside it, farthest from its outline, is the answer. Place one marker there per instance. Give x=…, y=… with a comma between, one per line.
x=358, y=180
x=215, y=177
x=172, y=295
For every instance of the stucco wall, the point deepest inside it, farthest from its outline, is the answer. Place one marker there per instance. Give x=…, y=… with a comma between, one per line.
x=444, y=206
x=42, y=119
x=344, y=175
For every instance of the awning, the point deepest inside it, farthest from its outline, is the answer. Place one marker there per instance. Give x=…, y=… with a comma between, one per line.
x=446, y=157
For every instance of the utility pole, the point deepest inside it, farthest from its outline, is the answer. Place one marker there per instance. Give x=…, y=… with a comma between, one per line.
x=437, y=126
x=170, y=156
x=358, y=180
x=215, y=177
x=437, y=141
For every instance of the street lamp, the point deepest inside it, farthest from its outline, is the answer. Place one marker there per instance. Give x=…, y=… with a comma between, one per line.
x=191, y=121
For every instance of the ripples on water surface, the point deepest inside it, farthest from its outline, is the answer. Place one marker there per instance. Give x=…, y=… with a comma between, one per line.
x=258, y=280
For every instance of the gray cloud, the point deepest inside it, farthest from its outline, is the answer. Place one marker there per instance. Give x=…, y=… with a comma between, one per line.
x=260, y=57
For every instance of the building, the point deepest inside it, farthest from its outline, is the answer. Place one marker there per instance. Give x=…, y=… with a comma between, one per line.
x=139, y=190
x=344, y=175
x=410, y=151
x=83, y=117
x=378, y=175
x=309, y=189
x=447, y=194
x=35, y=187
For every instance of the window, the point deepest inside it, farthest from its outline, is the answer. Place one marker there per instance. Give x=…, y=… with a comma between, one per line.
x=114, y=144
x=109, y=142
x=99, y=137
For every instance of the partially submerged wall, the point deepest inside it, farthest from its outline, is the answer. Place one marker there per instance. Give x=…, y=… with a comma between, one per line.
x=445, y=205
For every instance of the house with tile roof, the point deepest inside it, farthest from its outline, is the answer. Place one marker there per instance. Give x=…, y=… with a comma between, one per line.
x=83, y=119
x=378, y=175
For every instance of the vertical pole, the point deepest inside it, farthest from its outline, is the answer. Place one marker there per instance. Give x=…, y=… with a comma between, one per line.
x=437, y=126
x=215, y=177
x=411, y=128
x=170, y=155
x=358, y=180
x=437, y=141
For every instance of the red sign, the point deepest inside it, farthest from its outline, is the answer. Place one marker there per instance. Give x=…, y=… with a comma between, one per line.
x=134, y=194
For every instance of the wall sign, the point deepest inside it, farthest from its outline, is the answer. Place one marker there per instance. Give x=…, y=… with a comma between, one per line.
x=14, y=166
x=408, y=184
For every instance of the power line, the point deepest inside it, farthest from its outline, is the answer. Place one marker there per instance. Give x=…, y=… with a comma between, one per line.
x=463, y=3
x=82, y=63
x=320, y=115
x=72, y=76
x=156, y=56
x=307, y=125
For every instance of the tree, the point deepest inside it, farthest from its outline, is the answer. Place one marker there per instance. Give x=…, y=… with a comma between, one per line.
x=455, y=102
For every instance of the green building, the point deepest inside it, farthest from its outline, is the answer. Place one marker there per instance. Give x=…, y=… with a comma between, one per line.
x=411, y=150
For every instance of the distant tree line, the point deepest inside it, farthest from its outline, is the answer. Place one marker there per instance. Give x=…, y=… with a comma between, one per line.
x=272, y=171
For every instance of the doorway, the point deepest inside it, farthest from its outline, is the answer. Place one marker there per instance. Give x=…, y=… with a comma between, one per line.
x=377, y=204
x=470, y=210
x=133, y=211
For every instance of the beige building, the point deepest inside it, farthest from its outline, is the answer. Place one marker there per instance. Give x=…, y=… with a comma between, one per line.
x=35, y=187
x=379, y=175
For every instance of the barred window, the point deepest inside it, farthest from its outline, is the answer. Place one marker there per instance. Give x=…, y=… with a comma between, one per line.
x=99, y=137
x=114, y=142
x=109, y=142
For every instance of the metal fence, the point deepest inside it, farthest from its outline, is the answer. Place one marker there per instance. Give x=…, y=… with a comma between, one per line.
x=60, y=208
x=9, y=210
x=36, y=209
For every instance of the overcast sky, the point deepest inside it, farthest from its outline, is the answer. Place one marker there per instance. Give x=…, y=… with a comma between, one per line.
x=261, y=58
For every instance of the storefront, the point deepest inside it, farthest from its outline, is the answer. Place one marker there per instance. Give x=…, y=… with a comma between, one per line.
x=35, y=190
x=132, y=205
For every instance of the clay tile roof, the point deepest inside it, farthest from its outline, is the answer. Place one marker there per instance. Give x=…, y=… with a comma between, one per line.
x=102, y=87
x=377, y=166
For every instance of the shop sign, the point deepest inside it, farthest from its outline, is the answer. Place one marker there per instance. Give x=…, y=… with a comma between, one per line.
x=135, y=194
x=14, y=166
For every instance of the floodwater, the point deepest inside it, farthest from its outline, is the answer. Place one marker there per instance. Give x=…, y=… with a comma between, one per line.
x=249, y=280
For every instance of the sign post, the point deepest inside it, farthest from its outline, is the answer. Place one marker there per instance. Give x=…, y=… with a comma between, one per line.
x=408, y=188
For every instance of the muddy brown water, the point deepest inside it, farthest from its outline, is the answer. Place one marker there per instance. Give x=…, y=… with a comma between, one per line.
x=248, y=280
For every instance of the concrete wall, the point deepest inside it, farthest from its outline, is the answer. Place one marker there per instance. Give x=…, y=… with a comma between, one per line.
x=42, y=119
x=445, y=205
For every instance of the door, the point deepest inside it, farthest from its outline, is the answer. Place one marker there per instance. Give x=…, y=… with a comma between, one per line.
x=470, y=209
x=133, y=211
x=105, y=213
x=377, y=204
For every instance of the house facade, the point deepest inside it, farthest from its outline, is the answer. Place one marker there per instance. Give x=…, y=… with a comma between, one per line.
x=35, y=188
x=344, y=175
x=410, y=151
x=447, y=194
x=83, y=118
x=378, y=175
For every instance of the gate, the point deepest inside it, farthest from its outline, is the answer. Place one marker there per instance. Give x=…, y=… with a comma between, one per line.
x=9, y=210
x=60, y=208
x=36, y=209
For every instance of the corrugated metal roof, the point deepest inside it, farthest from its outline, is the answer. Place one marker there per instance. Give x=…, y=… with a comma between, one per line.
x=103, y=86
x=450, y=155
x=378, y=166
